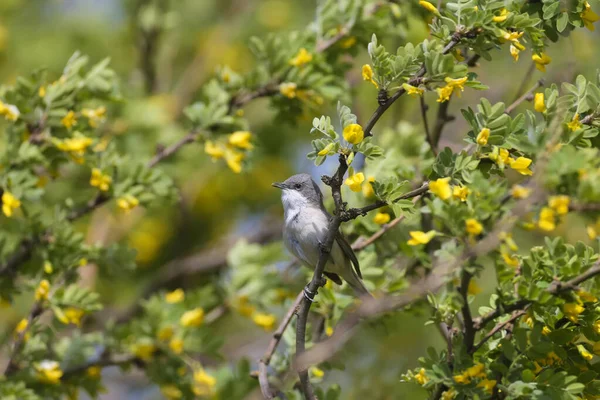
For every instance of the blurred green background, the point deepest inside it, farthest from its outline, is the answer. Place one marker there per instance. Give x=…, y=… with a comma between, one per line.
x=216, y=205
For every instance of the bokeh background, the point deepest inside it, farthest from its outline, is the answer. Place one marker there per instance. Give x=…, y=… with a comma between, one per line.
x=216, y=206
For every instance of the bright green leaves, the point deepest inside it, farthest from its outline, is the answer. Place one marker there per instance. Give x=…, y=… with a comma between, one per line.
x=393, y=69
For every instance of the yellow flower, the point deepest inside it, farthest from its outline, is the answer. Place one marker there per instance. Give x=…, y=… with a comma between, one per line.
x=507, y=238
x=367, y=189
x=487, y=385
x=21, y=326
x=444, y=93
x=193, y=317
x=95, y=116
x=48, y=268
x=48, y=372
x=473, y=226
x=171, y=392
x=591, y=232
x=458, y=84
x=449, y=394
x=381, y=218
x=127, y=203
x=588, y=17
x=441, y=188
x=539, y=103
x=326, y=150
x=288, y=89
x=354, y=133
x=42, y=291
x=75, y=145
x=560, y=204
x=596, y=327
x=514, y=52
x=69, y=120
x=462, y=379
x=412, y=90
x=9, y=203
x=512, y=36
x=521, y=165
x=429, y=7
x=93, y=372
x=512, y=261
x=574, y=124
x=520, y=192
x=355, y=181
x=546, y=221
x=10, y=112
x=348, y=42
x=301, y=58
x=460, y=192
x=241, y=139
x=216, y=151
x=144, y=350
x=244, y=307
x=546, y=331
x=176, y=345
x=176, y=296
x=42, y=91
x=420, y=237
x=421, y=378
x=572, y=311
x=541, y=60
x=71, y=315
x=329, y=331
x=165, y=333
x=234, y=160
x=587, y=296
x=367, y=74
x=483, y=136
x=100, y=180
x=204, y=384
x=317, y=372
x=265, y=321
x=476, y=371
x=500, y=156
x=502, y=17
x=584, y=352
x=473, y=288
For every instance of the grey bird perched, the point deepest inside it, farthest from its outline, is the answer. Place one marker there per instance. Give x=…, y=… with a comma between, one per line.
x=305, y=229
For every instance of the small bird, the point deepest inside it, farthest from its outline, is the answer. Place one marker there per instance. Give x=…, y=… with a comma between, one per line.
x=305, y=230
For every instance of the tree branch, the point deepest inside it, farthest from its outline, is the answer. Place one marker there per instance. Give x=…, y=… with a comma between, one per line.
x=526, y=96
x=468, y=331
x=498, y=328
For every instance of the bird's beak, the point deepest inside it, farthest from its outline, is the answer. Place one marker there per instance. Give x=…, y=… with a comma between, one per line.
x=279, y=185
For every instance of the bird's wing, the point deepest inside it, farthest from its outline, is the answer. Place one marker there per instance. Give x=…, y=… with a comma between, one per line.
x=347, y=249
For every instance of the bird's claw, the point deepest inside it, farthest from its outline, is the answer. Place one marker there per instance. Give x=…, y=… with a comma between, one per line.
x=310, y=296
x=323, y=248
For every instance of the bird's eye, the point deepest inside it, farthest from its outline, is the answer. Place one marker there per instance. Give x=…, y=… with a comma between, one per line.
x=297, y=186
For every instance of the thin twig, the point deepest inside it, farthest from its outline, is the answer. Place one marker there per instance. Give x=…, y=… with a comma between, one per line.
x=526, y=96
x=498, y=328
x=356, y=212
x=468, y=331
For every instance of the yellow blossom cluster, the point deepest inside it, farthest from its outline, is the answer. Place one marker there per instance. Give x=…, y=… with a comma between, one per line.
x=71, y=315
x=263, y=320
x=502, y=158
x=100, y=180
x=127, y=202
x=9, y=204
x=541, y=60
x=367, y=75
x=381, y=218
x=588, y=17
x=515, y=46
x=74, y=146
x=445, y=92
x=420, y=237
x=302, y=58
x=557, y=206
x=9, y=111
x=353, y=133
x=476, y=372
x=572, y=311
x=355, y=181
x=204, y=384
x=48, y=371
x=192, y=318
x=95, y=116
x=230, y=151
x=42, y=291
x=442, y=189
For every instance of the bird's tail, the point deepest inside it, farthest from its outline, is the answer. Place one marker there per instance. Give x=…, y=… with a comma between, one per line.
x=357, y=284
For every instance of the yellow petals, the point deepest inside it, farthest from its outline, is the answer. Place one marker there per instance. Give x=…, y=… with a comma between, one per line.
x=317, y=372
x=473, y=288
x=512, y=36
x=444, y=93
x=94, y=116
x=584, y=352
x=354, y=133
x=367, y=189
x=575, y=124
x=520, y=192
x=265, y=321
x=458, y=83
x=171, y=392
x=546, y=221
x=546, y=331
x=234, y=160
x=511, y=261
x=127, y=202
x=429, y=7
x=355, y=181
x=502, y=17
x=476, y=371
x=538, y=103
x=288, y=89
x=204, y=384
x=483, y=136
x=71, y=315
x=560, y=204
x=176, y=346
x=588, y=17
x=216, y=151
x=302, y=57
x=473, y=226
x=21, y=326
x=514, y=52
x=521, y=165
x=421, y=378
x=420, y=237
x=144, y=350
x=460, y=192
x=449, y=394
x=500, y=157
x=487, y=385
x=572, y=311
x=76, y=146
x=462, y=379
x=48, y=268
x=587, y=297
x=441, y=188
x=596, y=327
x=10, y=112
x=367, y=74
x=9, y=204
x=192, y=318
x=42, y=91
x=100, y=180
x=591, y=232
x=165, y=333
x=412, y=90
x=69, y=120
x=241, y=139
x=48, y=372
x=176, y=296
x=329, y=331
x=381, y=218
x=42, y=291
x=541, y=60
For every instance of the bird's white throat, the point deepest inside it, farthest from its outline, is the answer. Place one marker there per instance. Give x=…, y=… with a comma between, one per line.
x=293, y=202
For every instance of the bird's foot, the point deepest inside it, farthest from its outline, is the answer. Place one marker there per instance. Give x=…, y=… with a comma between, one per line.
x=323, y=248
x=310, y=296
x=322, y=281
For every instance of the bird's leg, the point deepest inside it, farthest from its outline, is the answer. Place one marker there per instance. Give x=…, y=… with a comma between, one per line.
x=310, y=296
x=323, y=248
x=322, y=281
